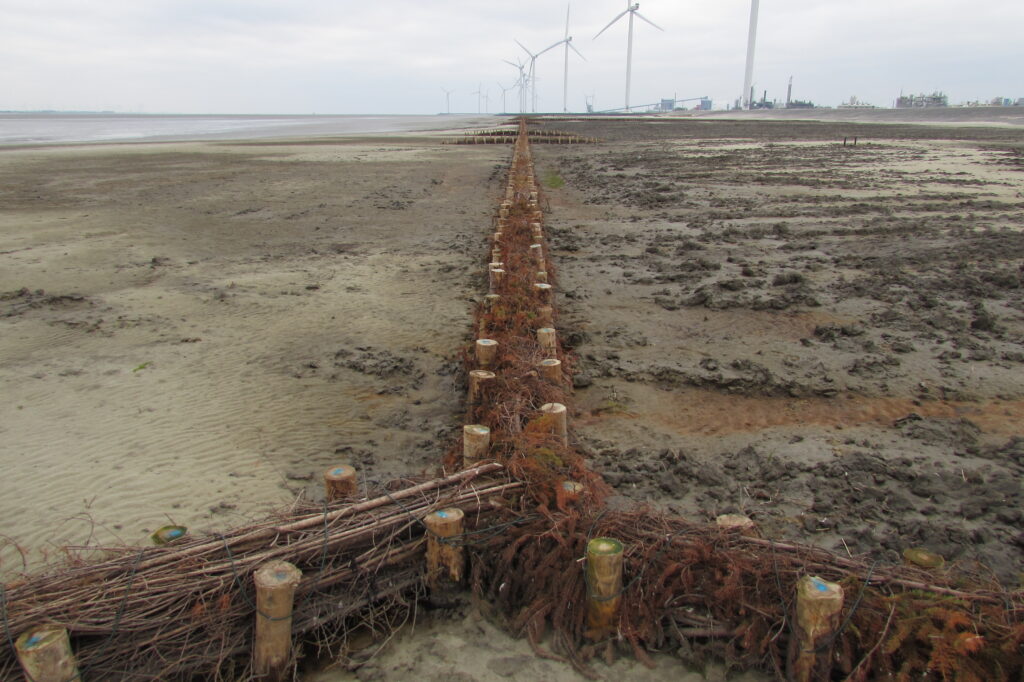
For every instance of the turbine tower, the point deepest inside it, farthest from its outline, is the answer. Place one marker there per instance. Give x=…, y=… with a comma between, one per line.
x=748, y=76
x=631, y=10
x=448, y=99
x=565, y=69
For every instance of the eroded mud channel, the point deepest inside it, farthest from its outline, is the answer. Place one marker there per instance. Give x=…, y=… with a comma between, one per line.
x=826, y=338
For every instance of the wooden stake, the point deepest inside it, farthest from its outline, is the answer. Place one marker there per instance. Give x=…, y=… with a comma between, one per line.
x=445, y=560
x=546, y=339
x=738, y=522
x=275, y=595
x=340, y=483
x=476, y=441
x=818, y=606
x=551, y=370
x=604, y=586
x=543, y=290
x=486, y=352
x=537, y=251
x=546, y=315
x=491, y=299
x=569, y=493
x=495, y=278
x=45, y=654
x=557, y=418
x=477, y=379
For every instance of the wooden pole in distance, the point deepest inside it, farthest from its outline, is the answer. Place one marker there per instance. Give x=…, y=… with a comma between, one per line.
x=604, y=586
x=486, y=352
x=818, y=606
x=340, y=482
x=275, y=595
x=476, y=441
x=558, y=419
x=551, y=370
x=495, y=279
x=477, y=379
x=445, y=560
x=569, y=493
x=45, y=655
x=547, y=339
x=744, y=524
x=546, y=316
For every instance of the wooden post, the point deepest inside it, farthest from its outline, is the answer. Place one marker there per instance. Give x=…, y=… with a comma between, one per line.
x=340, y=482
x=546, y=316
x=818, y=606
x=275, y=595
x=743, y=524
x=486, y=352
x=604, y=586
x=445, y=560
x=45, y=655
x=569, y=493
x=476, y=441
x=477, y=379
x=537, y=251
x=542, y=276
x=551, y=370
x=491, y=299
x=543, y=290
x=495, y=279
x=557, y=417
x=546, y=339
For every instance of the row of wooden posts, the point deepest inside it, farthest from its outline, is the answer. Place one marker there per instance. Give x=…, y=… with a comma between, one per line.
x=45, y=652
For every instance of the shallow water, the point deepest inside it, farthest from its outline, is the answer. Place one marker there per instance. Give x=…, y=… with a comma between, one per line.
x=47, y=128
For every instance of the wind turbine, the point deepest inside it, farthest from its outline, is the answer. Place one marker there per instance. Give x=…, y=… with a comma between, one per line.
x=533, y=68
x=479, y=94
x=565, y=69
x=748, y=75
x=521, y=83
x=631, y=10
x=504, y=90
x=448, y=99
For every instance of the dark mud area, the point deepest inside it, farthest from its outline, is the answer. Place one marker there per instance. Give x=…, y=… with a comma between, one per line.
x=827, y=338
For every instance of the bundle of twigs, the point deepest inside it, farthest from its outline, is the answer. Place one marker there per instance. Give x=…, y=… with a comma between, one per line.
x=720, y=594
x=187, y=610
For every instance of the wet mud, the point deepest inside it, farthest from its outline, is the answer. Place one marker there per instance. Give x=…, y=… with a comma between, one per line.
x=827, y=338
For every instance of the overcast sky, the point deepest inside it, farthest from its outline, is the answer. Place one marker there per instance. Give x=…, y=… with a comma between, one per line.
x=395, y=56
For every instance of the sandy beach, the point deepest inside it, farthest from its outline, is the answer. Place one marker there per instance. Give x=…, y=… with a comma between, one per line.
x=827, y=338
x=192, y=332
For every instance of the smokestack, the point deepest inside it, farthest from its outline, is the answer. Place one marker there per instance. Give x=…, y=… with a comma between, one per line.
x=789, y=92
x=748, y=90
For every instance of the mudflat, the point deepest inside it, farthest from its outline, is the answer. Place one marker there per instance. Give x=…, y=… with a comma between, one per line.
x=825, y=337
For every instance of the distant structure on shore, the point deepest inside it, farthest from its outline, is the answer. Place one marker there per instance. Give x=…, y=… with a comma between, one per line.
x=936, y=99
x=854, y=103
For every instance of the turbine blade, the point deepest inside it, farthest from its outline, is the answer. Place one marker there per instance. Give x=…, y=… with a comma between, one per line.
x=648, y=21
x=567, y=5
x=576, y=51
x=550, y=47
x=524, y=48
x=610, y=23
